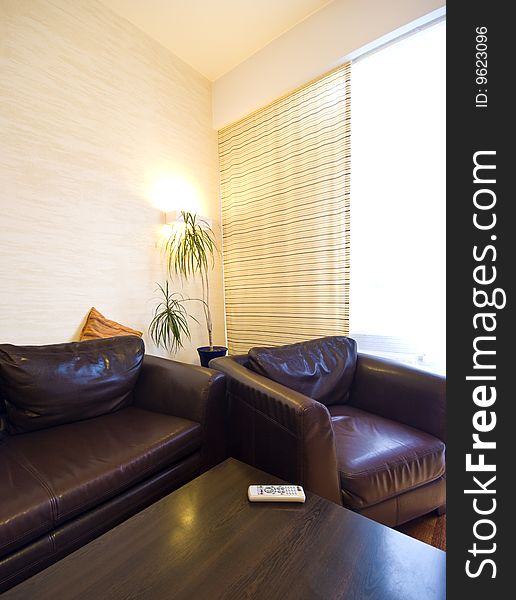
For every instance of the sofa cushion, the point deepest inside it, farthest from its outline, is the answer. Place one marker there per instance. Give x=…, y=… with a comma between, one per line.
x=378, y=458
x=3, y=423
x=50, y=385
x=78, y=466
x=97, y=326
x=321, y=369
x=25, y=506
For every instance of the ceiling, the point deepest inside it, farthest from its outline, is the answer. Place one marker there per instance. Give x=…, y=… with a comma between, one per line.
x=214, y=36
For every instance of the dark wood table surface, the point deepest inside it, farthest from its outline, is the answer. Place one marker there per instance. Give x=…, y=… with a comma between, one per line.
x=207, y=541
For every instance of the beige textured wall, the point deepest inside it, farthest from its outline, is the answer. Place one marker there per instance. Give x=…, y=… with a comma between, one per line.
x=98, y=124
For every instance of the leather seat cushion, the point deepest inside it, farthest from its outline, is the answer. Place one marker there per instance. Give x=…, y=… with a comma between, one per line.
x=379, y=458
x=60, y=472
x=25, y=510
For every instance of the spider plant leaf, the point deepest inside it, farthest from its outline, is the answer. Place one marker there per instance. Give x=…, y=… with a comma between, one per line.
x=170, y=321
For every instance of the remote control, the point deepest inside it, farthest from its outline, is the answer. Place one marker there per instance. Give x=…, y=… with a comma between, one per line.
x=276, y=493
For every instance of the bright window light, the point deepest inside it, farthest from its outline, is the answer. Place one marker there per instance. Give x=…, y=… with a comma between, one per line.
x=397, y=301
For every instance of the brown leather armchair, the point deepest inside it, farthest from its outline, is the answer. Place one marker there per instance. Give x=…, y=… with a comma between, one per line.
x=379, y=451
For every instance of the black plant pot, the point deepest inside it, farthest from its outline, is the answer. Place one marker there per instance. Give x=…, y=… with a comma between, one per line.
x=205, y=354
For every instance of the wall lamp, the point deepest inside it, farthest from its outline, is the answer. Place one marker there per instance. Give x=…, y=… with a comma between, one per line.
x=174, y=217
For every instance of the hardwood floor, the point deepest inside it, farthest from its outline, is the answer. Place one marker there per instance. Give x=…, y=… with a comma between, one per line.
x=430, y=529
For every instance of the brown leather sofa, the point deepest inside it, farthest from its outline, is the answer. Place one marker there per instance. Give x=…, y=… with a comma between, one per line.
x=374, y=440
x=65, y=483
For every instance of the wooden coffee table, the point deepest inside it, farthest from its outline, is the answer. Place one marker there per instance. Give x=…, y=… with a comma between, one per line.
x=206, y=541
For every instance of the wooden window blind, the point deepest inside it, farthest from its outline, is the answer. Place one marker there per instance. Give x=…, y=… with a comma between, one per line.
x=285, y=217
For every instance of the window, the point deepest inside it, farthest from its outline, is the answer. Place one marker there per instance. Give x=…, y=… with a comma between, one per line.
x=285, y=213
x=397, y=293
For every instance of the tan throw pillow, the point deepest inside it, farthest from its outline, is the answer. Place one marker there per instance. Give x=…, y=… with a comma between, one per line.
x=97, y=326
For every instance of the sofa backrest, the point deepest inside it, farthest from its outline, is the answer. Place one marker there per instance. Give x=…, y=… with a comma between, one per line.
x=322, y=369
x=43, y=386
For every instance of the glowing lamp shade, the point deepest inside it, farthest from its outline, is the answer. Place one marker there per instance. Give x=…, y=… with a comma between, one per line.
x=173, y=193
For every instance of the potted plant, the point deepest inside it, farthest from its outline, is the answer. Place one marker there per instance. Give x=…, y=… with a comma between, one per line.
x=190, y=251
x=170, y=321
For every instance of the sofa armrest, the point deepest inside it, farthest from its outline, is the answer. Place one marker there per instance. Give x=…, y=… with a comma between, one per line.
x=401, y=393
x=279, y=430
x=190, y=392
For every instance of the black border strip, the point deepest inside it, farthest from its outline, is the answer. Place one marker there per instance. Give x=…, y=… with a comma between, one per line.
x=479, y=121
